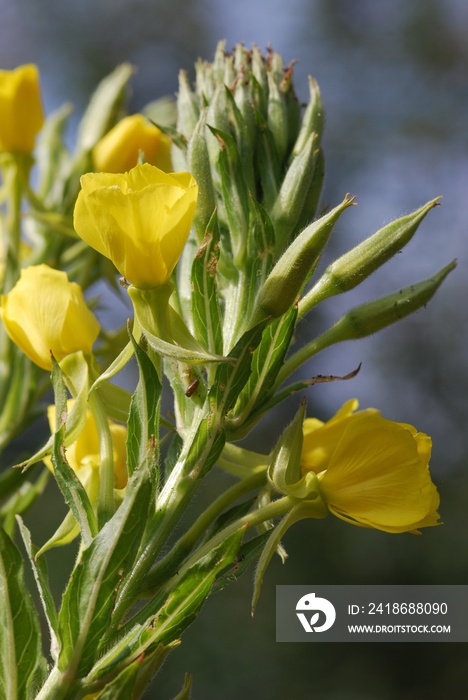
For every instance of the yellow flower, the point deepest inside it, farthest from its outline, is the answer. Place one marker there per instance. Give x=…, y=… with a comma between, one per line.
x=373, y=472
x=83, y=455
x=21, y=114
x=45, y=312
x=119, y=149
x=140, y=220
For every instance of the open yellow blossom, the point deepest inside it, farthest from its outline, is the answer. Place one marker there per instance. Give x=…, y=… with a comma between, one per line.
x=21, y=114
x=83, y=455
x=140, y=220
x=372, y=472
x=45, y=312
x=118, y=151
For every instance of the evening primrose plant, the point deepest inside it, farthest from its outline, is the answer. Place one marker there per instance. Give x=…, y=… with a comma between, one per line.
x=216, y=244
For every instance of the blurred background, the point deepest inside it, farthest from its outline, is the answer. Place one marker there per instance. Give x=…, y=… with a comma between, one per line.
x=393, y=76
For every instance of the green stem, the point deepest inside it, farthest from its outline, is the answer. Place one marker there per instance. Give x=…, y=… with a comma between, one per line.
x=272, y=510
x=187, y=542
x=11, y=185
x=106, y=506
x=172, y=501
x=299, y=358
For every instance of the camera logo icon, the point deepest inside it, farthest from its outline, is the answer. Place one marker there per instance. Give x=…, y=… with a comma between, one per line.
x=313, y=606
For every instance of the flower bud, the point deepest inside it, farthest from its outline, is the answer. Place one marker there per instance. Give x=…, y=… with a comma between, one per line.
x=292, y=195
x=45, y=313
x=199, y=166
x=140, y=220
x=312, y=121
x=284, y=471
x=369, y=318
x=118, y=151
x=293, y=269
x=20, y=109
x=360, y=262
x=188, y=111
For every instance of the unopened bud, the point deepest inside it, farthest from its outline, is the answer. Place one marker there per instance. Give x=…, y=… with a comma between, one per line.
x=284, y=471
x=360, y=262
x=312, y=121
x=293, y=269
x=372, y=317
x=188, y=111
x=200, y=167
x=294, y=188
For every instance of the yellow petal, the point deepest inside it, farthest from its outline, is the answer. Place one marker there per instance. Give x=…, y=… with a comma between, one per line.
x=140, y=220
x=377, y=477
x=45, y=312
x=20, y=108
x=119, y=150
x=320, y=439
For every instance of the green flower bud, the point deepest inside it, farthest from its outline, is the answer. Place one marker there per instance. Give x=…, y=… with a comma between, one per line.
x=369, y=318
x=199, y=165
x=312, y=121
x=293, y=269
x=284, y=471
x=360, y=262
x=277, y=117
x=188, y=111
x=291, y=198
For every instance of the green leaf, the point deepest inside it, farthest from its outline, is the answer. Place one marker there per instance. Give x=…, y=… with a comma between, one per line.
x=267, y=361
x=186, y=689
x=234, y=190
x=206, y=312
x=231, y=378
x=165, y=617
x=26, y=494
x=73, y=490
x=90, y=595
x=299, y=512
x=116, y=401
x=75, y=369
x=51, y=154
x=22, y=665
x=103, y=108
x=131, y=682
x=143, y=420
x=65, y=533
x=39, y=568
x=261, y=249
x=248, y=552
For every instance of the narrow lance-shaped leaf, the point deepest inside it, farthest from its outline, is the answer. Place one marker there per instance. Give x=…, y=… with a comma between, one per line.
x=205, y=306
x=261, y=248
x=235, y=192
x=103, y=108
x=170, y=612
x=267, y=361
x=231, y=378
x=90, y=595
x=299, y=512
x=39, y=568
x=143, y=420
x=22, y=666
x=73, y=491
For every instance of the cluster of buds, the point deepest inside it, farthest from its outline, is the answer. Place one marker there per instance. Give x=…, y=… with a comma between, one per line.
x=216, y=258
